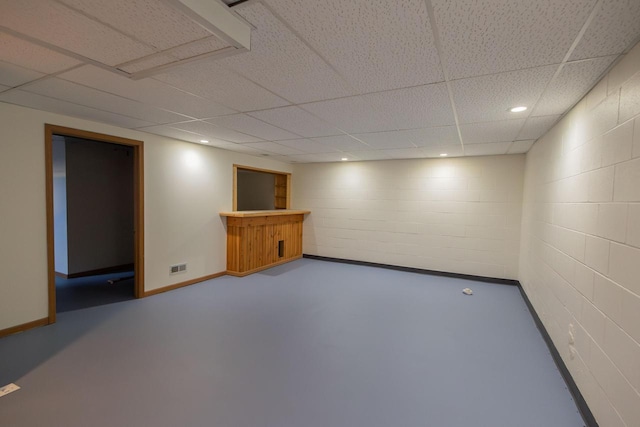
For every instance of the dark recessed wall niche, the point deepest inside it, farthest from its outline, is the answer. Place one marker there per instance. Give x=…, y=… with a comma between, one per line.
x=260, y=189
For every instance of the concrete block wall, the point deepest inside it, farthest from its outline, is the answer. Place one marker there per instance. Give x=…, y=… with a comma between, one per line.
x=580, y=253
x=458, y=215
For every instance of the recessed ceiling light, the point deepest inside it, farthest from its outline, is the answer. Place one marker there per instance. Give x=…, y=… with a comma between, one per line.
x=517, y=109
x=344, y=159
x=443, y=154
x=204, y=141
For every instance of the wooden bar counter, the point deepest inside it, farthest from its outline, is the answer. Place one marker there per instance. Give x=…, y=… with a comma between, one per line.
x=257, y=240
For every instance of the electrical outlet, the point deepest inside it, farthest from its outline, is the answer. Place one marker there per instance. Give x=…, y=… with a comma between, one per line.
x=9, y=388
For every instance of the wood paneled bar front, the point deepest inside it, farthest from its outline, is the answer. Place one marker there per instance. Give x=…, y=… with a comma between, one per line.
x=257, y=240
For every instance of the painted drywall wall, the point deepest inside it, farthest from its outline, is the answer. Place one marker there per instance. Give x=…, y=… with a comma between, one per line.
x=256, y=190
x=580, y=255
x=186, y=186
x=100, y=213
x=60, y=204
x=459, y=215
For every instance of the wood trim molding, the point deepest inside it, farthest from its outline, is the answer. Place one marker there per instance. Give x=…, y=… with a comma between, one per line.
x=24, y=327
x=183, y=284
x=138, y=204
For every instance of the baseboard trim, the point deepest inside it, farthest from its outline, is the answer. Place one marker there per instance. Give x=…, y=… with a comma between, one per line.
x=24, y=327
x=583, y=408
x=496, y=280
x=183, y=284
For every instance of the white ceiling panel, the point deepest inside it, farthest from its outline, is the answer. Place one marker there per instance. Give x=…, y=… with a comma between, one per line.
x=31, y=56
x=297, y=121
x=39, y=102
x=535, y=127
x=321, y=157
x=212, y=131
x=3, y=88
x=489, y=149
x=575, y=79
x=251, y=126
x=308, y=146
x=375, y=44
x=406, y=153
x=82, y=95
x=147, y=63
x=491, y=36
x=503, y=131
x=352, y=115
x=615, y=26
x=488, y=98
x=208, y=80
x=443, y=135
x=387, y=140
x=451, y=150
x=149, y=91
x=415, y=107
x=171, y=132
x=210, y=44
x=519, y=147
x=12, y=75
x=275, y=148
x=153, y=22
x=372, y=155
x=282, y=63
x=71, y=30
x=343, y=143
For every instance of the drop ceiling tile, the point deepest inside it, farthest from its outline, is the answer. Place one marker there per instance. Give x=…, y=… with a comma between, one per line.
x=210, y=44
x=317, y=157
x=406, y=153
x=352, y=115
x=573, y=82
x=149, y=91
x=212, y=131
x=488, y=98
x=375, y=44
x=451, y=150
x=615, y=26
x=415, y=107
x=58, y=25
x=208, y=80
x=373, y=155
x=82, y=95
x=489, y=149
x=3, y=88
x=251, y=126
x=308, y=146
x=519, y=147
x=501, y=131
x=153, y=22
x=387, y=140
x=442, y=135
x=296, y=120
x=491, y=36
x=31, y=56
x=535, y=127
x=44, y=103
x=273, y=147
x=343, y=143
x=282, y=63
x=147, y=63
x=13, y=75
x=171, y=132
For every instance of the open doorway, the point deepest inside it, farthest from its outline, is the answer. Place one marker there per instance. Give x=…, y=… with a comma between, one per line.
x=94, y=218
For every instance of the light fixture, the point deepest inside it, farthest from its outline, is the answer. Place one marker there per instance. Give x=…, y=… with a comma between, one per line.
x=517, y=109
x=344, y=159
x=443, y=154
x=204, y=141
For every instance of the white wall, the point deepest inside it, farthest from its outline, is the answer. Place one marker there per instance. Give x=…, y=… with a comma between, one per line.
x=580, y=255
x=186, y=185
x=458, y=215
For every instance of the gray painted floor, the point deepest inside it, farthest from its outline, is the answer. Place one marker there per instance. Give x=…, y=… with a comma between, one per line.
x=305, y=344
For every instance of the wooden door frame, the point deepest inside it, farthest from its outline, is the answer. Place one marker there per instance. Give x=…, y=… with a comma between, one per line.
x=138, y=204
